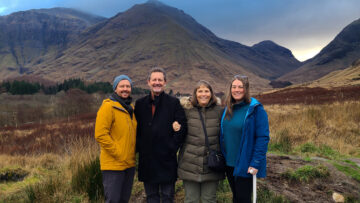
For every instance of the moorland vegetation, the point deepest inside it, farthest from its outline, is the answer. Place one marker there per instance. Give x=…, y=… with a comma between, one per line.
x=48, y=146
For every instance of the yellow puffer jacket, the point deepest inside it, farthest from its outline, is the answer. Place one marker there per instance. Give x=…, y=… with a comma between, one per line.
x=115, y=132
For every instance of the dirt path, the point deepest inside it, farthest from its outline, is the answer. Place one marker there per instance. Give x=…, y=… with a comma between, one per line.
x=318, y=190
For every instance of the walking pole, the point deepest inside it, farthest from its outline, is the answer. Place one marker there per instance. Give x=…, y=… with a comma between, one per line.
x=254, y=185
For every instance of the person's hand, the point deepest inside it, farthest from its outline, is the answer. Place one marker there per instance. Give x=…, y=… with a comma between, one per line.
x=176, y=126
x=252, y=170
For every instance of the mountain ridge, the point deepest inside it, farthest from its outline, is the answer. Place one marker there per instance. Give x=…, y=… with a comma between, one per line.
x=340, y=53
x=27, y=35
x=153, y=34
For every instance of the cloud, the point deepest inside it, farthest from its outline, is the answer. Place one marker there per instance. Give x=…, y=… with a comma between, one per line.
x=22, y=5
x=301, y=26
x=106, y=8
x=2, y=9
x=297, y=25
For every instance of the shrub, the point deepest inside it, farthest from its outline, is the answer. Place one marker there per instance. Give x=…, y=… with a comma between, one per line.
x=322, y=151
x=12, y=174
x=265, y=195
x=30, y=192
x=308, y=148
x=282, y=142
x=52, y=189
x=353, y=172
x=224, y=193
x=224, y=186
x=328, y=152
x=306, y=173
x=88, y=179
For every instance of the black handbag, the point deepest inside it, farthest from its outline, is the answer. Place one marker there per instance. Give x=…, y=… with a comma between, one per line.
x=216, y=160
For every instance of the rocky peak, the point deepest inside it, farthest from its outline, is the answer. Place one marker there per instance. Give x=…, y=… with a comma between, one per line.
x=155, y=2
x=269, y=45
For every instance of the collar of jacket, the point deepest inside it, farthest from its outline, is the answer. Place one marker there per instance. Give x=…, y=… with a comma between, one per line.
x=186, y=103
x=209, y=105
x=151, y=100
x=253, y=104
x=118, y=106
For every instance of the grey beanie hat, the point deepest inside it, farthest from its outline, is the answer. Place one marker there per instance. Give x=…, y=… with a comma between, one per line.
x=120, y=78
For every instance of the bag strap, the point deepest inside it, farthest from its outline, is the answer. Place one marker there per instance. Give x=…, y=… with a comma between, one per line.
x=204, y=128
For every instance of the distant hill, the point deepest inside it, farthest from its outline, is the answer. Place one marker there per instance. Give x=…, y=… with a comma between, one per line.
x=154, y=34
x=347, y=77
x=338, y=54
x=337, y=86
x=26, y=35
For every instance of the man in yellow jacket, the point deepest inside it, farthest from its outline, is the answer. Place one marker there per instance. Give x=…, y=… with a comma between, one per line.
x=115, y=131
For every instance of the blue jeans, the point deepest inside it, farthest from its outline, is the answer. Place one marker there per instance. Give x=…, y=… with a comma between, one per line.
x=117, y=185
x=153, y=191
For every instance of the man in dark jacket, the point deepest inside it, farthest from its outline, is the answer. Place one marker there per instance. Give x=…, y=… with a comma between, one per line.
x=157, y=142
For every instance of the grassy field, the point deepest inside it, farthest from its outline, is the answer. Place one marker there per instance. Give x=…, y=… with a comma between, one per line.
x=58, y=161
x=330, y=128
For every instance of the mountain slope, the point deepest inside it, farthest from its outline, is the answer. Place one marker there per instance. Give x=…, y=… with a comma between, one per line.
x=153, y=34
x=347, y=77
x=280, y=59
x=266, y=59
x=338, y=54
x=26, y=35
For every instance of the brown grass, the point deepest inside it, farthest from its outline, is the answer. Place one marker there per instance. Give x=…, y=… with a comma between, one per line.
x=52, y=152
x=310, y=96
x=335, y=125
x=46, y=138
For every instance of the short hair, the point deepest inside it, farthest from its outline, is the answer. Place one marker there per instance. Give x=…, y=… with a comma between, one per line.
x=205, y=83
x=157, y=70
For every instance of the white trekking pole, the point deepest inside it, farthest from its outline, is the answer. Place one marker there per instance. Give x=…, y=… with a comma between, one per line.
x=254, y=185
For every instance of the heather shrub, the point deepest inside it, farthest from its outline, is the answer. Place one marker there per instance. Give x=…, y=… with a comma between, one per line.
x=88, y=179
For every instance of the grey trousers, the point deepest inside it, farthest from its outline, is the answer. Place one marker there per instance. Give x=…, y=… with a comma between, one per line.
x=118, y=185
x=206, y=191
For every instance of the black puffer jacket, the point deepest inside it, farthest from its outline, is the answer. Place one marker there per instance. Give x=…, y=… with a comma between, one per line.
x=193, y=154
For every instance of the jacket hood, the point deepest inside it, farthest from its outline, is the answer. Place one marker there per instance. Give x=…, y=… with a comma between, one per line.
x=254, y=102
x=115, y=103
x=186, y=102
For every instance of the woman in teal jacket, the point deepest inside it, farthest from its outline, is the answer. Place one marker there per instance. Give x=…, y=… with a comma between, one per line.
x=244, y=138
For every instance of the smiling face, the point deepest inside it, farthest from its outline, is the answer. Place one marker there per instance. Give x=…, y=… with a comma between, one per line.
x=156, y=83
x=203, y=95
x=237, y=90
x=123, y=89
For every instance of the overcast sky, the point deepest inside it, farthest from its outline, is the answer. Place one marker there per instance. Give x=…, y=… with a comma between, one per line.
x=303, y=26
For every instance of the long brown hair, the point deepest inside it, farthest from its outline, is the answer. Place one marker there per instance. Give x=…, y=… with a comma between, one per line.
x=230, y=101
x=205, y=83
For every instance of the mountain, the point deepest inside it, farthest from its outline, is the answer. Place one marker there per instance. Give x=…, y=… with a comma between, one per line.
x=26, y=35
x=347, y=77
x=338, y=54
x=154, y=34
x=280, y=59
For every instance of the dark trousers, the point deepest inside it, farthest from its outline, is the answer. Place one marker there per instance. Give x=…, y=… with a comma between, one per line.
x=153, y=191
x=240, y=187
x=117, y=185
